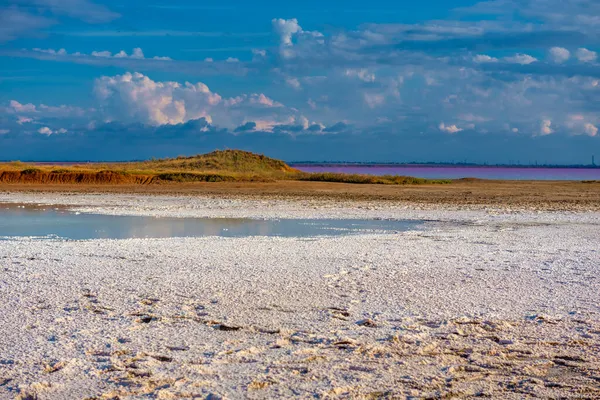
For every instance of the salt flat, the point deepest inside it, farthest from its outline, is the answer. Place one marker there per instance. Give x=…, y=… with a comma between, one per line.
x=483, y=301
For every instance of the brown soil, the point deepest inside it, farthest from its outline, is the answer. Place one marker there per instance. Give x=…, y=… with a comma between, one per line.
x=555, y=195
x=71, y=178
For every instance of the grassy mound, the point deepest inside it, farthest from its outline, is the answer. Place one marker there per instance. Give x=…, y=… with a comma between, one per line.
x=217, y=166
x=221, y=160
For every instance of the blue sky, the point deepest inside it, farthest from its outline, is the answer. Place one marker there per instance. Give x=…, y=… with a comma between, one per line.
x=495, y=81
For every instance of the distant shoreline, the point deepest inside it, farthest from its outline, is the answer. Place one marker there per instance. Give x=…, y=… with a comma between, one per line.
x=436, y=165
x=357, y=164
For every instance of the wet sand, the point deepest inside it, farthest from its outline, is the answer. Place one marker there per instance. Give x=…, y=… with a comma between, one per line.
x=487, y=301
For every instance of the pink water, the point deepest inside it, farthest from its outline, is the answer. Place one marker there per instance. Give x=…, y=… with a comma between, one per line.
x=457, y=172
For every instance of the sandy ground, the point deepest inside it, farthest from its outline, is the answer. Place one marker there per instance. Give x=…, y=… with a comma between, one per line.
x=533, y=195
x=485, y=301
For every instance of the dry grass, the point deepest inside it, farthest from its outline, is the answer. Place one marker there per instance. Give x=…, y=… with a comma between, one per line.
x=218, y=166
x=367, y=179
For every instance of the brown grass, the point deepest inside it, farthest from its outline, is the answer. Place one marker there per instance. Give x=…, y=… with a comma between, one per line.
x=217, y=166
x=367, y=179
x=92, y=178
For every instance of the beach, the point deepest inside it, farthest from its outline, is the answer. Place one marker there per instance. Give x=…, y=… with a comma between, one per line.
x=485, y=299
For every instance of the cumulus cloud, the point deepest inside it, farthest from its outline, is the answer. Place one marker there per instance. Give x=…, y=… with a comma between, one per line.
x=136, y=54
x=483, y=58
x=47, y=131
x=60, y=52
x=363, y=74
x=259, y=52
x=523, y=59
x=546, y=127
x=581, y=123
x=449, y=128
x=293, y=82
x=590, y=129
x=4, y=131
x=24, y=120
x=137, y=98
x=22, y=108
x=585, y=55
x=374, y=100
x=559, y=54
x=286, y=28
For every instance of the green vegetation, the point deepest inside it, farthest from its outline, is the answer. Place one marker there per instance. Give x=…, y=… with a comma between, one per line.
x=217, y=166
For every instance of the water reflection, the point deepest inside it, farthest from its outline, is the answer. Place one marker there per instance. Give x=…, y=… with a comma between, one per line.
x=36, y=221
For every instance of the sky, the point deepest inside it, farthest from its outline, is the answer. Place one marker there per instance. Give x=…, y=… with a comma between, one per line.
x=499, y=81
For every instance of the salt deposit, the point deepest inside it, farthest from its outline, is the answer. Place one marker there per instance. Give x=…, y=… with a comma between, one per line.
x=484, y=302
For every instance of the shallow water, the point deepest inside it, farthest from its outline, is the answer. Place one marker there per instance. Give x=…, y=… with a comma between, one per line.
x=40, y=222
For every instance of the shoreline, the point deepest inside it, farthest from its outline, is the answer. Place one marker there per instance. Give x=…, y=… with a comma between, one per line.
x=466, y=194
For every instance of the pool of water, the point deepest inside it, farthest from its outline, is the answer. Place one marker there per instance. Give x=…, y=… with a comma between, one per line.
x=40, y=222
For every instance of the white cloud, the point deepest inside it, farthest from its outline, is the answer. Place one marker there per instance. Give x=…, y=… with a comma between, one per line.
x=232, y=60
x=259, y=52
x=264, y=125
x=47, y=131
x=105, y=54
x=449, y=128
x=293, y=82
x=363, y=74
x=4, y=131
x=263, y=100
x=24, y=120
x=523, y=59
x=22, y=108
x=286, y=28
x=137, y=98
x=590, y=129
x=483, y=58
x=585, y=55
x=546, y=127
x=374, y=100
x=470, y=117
x=136, y=54
x=559, y=54
x=60, y=52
